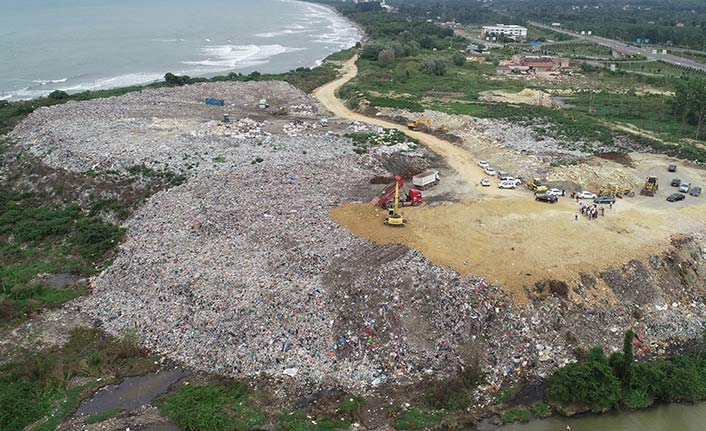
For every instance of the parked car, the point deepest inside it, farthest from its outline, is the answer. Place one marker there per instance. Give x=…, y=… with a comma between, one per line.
x=550, y=199
x=684, y=187
x=676, y=182
x=485, y=182
x=604, y=200
x=483, y=164
x=503, y=174
x=507, y=185
x=585, y=195
x=555, y=192
x=489, y=171
x=695, y=191
x=675, y=197
x=672, y=168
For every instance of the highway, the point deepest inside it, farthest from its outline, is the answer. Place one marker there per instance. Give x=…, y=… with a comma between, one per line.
x=624, y=48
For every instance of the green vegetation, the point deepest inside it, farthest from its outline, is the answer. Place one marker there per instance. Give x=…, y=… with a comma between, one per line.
x=41, y=238
x=233, y=407
x=417, y=420
x=690, y=105
x=110, y=414
x=40, y=385
x=212, y=408
x=603, y=383
x=163, y=174
x=544, y=35
x=516, y=415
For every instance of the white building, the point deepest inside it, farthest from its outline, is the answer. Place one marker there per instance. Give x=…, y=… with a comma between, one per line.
x=513, y=31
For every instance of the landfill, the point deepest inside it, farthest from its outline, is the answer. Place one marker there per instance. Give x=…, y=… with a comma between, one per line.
x=241, y=271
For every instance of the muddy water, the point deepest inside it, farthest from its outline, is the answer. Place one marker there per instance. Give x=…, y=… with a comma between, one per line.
x=133, y=392
x=672, y=417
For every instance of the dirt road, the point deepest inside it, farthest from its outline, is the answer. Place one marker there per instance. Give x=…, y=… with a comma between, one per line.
x=459, y=159
x=506, y=236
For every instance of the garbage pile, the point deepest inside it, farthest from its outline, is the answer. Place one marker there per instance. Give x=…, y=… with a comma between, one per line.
x=165, y=128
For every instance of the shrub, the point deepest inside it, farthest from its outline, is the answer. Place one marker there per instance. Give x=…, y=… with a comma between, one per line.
x=591, y=382
x=434, y=66
x=96, y=237
x=458, y=59
x=386, y=57
x=58, y=95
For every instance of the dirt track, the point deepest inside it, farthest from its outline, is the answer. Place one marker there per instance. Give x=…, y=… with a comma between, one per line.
x=506, y=236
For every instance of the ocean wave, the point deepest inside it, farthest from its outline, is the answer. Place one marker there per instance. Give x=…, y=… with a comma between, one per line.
x=168, y=40
x=126, y=80
x=227, y=57
x=284, y=32
x=49, y=81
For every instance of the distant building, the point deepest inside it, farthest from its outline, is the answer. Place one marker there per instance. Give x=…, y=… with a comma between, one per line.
x=556, y=24
x=510, y=68
x=542, y=63
x=512, y=31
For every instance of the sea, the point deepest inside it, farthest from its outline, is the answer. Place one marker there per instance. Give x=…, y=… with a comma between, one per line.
x=78, y=45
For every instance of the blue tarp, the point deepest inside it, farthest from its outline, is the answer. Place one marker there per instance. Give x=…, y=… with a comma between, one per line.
x=214, y=102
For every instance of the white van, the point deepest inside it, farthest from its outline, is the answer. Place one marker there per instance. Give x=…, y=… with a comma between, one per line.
x=507, y=184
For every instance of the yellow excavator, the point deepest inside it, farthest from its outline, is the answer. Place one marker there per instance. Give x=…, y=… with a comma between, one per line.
x=395, y=216
x=420, y=124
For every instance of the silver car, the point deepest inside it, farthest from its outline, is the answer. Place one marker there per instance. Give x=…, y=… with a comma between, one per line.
x=684, y=187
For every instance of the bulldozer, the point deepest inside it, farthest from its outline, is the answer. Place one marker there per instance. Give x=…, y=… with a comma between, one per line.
x=395, y=217
x=420, y=124
x=651, y=186
x=535, y=184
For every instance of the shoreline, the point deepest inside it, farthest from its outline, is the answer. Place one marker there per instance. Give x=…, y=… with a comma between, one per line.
x=9, y=96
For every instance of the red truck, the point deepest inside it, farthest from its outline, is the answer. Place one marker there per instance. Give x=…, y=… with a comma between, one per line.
x=386, y=198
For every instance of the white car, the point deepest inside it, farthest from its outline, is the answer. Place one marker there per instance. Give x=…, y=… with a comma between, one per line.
x=489, y=171
x=485, y=182
x=507, y=185
x=483, y=164
x=555, y=192
x=585, y=195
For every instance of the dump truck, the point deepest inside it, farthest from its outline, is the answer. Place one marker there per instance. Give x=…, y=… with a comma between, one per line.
x=386, y=198
x=651, y=186
x=426, y=179
x=420, y=124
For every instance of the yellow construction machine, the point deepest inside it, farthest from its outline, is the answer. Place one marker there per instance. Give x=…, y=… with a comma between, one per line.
x=420, y=124
x=395, y=217
x=651, y=186
x=535, y=184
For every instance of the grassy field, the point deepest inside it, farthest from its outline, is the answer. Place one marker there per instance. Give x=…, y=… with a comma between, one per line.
x=41, y=385
x=232, y=406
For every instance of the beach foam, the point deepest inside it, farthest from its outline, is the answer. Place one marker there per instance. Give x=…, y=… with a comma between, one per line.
x=225, y=57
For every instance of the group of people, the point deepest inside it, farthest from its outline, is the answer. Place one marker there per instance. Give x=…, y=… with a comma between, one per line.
x=590, y=211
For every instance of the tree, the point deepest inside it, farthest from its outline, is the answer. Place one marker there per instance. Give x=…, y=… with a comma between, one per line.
x=386, y=57
x=58, y=95
x=458, y=59
x=690, y=104
x=434, y=66
x=178, y=80
x=591, y=382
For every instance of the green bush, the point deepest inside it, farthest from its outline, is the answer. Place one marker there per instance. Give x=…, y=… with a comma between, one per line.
x=95, y=237
x=434, y=66
x=458, y=59
x=591, y=382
